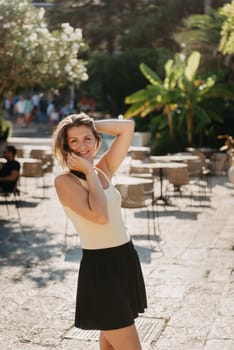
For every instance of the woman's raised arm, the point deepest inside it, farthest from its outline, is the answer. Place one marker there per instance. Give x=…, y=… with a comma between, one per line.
x=123, y=132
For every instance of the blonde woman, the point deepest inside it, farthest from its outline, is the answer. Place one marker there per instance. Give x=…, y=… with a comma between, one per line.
x=111, y=290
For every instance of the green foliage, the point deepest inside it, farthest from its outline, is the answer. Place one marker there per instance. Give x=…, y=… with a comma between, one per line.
x=202, y=32
x=117, y=25
x=227, y=33
x=180, y=100
x=192, y=66
x=32, y=55
x=5, y=129
x=161, y=142
x=111, y=78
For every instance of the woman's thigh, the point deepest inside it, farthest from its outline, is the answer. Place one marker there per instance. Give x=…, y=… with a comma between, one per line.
x=104, y=343
x=123, y=338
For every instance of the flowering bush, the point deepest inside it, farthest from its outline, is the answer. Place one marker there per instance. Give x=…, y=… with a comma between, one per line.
x=30, y=54
x=227, y=31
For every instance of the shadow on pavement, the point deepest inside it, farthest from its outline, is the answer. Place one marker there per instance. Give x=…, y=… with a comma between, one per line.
x=31, y=250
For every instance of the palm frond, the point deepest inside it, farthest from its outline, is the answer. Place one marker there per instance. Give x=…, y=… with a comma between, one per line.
x=150, y=75
x=192, y=65
x=137, y=96
x=134, y=110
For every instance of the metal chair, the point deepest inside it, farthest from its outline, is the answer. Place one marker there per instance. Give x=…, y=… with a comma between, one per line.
x=12, y=196
x=198, y=177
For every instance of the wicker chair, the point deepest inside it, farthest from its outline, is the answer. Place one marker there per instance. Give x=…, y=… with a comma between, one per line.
x=46, y=159
x=20, y=153
x=33, y=170
x=136, y=196
x=178, y=177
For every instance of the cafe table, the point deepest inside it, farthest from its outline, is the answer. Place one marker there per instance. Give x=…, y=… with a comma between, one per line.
x=206, y=150
x=174, y=158
x=159, y=167
x=139, y=152
x=130, y=180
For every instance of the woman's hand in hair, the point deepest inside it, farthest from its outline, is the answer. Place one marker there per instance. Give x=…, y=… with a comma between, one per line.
x=78, y=163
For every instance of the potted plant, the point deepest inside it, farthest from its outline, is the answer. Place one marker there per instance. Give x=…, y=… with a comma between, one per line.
x=5, y=132
x=229, y=147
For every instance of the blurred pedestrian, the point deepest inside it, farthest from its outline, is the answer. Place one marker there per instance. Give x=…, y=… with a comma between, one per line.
x=28, y=107
x=20, y=110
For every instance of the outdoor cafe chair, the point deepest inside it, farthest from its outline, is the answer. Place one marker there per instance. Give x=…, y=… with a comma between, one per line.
x=138, y=196
x=178, y=177
x=199, y=179
x=12, y=196
x=33, y=169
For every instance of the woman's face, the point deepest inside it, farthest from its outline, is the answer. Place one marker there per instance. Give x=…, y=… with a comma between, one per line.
x=81, y=141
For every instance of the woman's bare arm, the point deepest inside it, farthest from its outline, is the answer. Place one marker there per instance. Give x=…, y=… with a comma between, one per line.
x=123, y=132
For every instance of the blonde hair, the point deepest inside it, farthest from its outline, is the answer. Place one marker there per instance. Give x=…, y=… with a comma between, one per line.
x=60, y=146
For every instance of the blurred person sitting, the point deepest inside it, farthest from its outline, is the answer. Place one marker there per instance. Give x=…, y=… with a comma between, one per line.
x=10, y=170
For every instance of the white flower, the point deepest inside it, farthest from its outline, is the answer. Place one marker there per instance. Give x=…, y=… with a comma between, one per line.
x=6, y=25
x=67, y=68
x=68, y=29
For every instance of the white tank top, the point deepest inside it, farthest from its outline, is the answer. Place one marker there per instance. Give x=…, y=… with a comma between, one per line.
x=98, y=236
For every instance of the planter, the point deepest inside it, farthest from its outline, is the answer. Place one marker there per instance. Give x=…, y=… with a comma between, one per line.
x=231, y=171
x=5, y=131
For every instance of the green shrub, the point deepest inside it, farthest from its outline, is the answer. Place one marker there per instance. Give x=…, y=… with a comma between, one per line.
x=5, y=129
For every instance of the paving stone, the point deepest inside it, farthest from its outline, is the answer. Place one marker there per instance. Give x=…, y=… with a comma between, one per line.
x=178, y=272
x=220, y=274
x=179, y=339
x=227, y=306
x=222, y=328
x=217, y=344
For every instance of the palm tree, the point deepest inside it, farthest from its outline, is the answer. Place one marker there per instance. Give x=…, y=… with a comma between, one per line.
x=182, y=91
x=159, y=94
x=202, y=32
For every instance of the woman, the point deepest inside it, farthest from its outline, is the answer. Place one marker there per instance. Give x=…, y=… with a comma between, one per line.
x=111, y=289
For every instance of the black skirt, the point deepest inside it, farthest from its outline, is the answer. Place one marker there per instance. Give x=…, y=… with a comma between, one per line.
x=111, y=289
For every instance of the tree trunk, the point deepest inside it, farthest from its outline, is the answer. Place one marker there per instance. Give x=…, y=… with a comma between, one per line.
x=167, y=111
x=207, y=5
x=190, y=127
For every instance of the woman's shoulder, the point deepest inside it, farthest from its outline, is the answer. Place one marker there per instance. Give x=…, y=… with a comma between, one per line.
x=62, y=178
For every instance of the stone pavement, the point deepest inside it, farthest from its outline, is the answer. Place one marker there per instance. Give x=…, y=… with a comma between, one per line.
x=188, y=270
